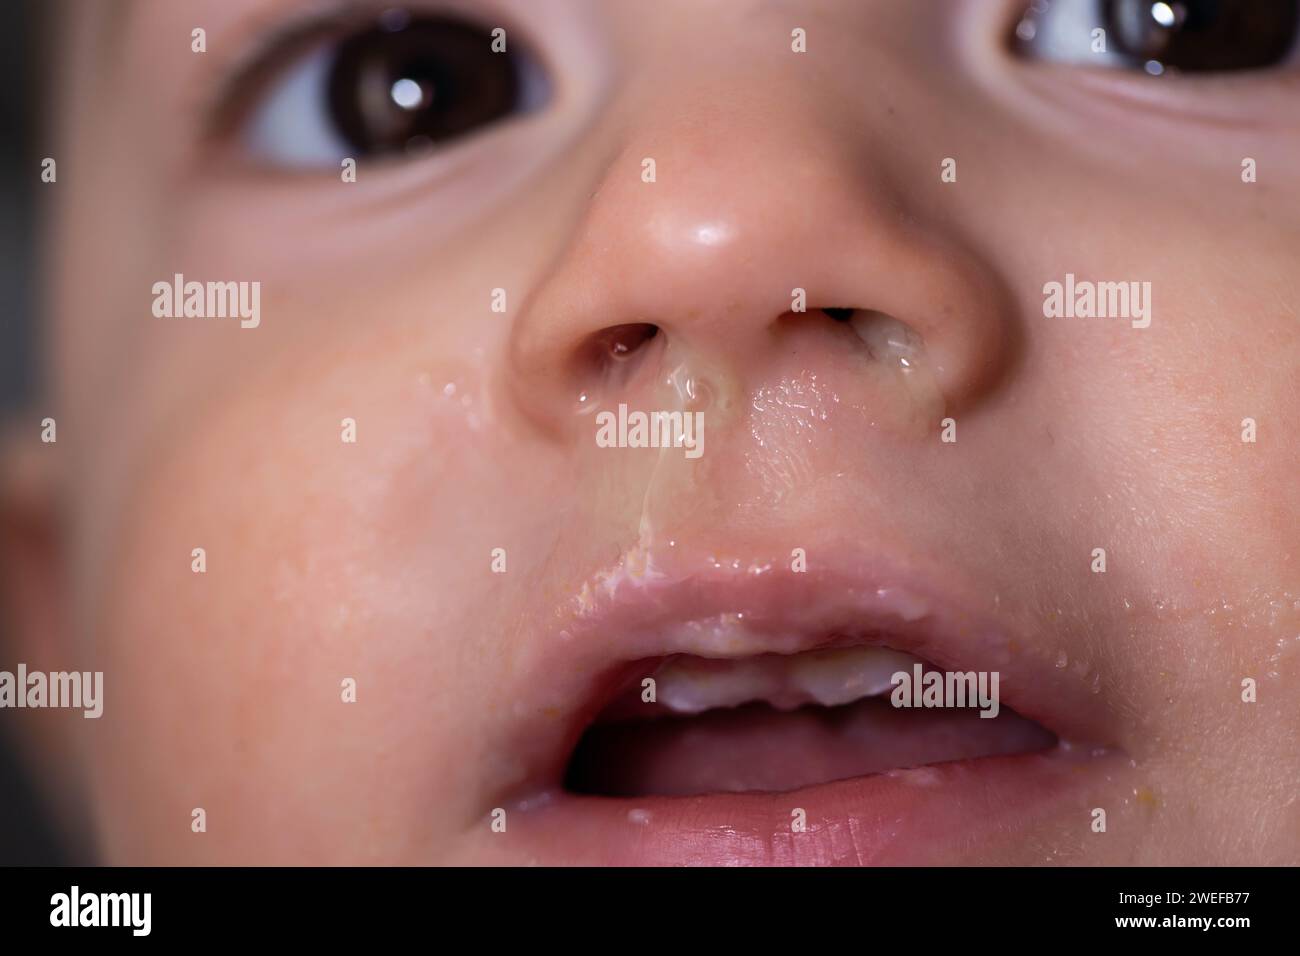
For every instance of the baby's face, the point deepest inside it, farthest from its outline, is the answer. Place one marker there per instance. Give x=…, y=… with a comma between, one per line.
x=827, y=227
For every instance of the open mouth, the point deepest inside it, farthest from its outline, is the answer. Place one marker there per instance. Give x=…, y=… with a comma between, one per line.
x=778, y=722
x=756, y=718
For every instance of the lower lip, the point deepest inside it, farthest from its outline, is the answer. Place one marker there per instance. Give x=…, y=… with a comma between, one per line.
x=967, y=811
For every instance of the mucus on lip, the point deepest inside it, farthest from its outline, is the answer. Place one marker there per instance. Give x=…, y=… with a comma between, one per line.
x=732, y=634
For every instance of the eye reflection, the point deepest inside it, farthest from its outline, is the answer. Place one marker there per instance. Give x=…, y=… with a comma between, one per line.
x=1166, y=16
x=409, y=95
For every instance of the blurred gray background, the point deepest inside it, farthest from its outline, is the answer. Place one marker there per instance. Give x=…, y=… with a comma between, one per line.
x=25, y=834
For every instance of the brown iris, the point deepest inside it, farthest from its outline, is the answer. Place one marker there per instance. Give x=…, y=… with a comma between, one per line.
x=410, y=83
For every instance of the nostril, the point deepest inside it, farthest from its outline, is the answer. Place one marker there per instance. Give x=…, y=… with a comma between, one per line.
x=609, y=353
x=840, y=315
x=618, y=343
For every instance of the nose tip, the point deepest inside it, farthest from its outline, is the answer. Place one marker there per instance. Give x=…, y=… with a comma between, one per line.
x=718, y=249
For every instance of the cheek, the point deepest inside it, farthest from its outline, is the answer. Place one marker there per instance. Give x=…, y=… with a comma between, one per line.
x=1148, y=424
x=325, y=560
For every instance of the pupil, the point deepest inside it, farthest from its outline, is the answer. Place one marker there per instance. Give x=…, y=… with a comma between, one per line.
x=406, y=83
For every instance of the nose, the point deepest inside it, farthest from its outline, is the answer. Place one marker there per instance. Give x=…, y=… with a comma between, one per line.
x=744, y=211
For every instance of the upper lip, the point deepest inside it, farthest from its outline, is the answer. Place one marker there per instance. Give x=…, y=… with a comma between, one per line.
x=620, y=625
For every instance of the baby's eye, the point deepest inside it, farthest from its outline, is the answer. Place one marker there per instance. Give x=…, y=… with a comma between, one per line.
x=1178, y=36
x=399, y=85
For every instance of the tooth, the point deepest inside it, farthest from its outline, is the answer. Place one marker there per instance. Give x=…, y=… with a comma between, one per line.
x=689, y=685
x=692, y=685
x=842, y=675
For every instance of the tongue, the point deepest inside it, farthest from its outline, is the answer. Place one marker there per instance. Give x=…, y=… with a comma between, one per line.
x=755, y=747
